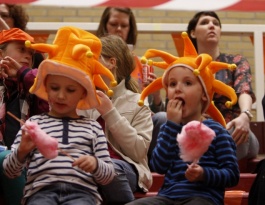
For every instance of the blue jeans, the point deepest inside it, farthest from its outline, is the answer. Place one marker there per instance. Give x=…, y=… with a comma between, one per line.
x=120, y=190
x=247, y=149
x=63, y=194
x=160, y=200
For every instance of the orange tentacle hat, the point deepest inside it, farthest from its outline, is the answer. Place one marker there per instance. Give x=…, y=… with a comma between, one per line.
x=73, y=54
x=14, y=34
x=202, y=66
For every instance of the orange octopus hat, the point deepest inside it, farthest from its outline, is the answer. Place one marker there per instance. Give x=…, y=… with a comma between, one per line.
x=14, y=34
x=202, y=66
x=73, y=54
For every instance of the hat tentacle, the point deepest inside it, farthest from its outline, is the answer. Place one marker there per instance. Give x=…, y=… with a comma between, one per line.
x=217, y=116
x=167, y=57
x=152, y=87
x=216, y=66
x=99, y=83
x=100, y=69
x=227, y=91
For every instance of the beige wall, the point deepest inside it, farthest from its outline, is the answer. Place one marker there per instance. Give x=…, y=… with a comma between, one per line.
x=229, y=44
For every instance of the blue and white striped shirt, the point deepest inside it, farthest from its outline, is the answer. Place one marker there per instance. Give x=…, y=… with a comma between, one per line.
x=77, y=137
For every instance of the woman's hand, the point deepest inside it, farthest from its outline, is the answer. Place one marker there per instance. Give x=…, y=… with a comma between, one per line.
x=241, y=127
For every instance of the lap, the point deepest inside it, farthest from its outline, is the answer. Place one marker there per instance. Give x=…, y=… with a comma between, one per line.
x=160, y=200
x=62, y=193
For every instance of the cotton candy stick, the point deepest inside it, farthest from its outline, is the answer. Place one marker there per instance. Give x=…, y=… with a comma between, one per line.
x=194, y=140
x=47, y=145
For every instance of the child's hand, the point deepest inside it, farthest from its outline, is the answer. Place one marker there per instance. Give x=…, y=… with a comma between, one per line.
x=150, y=79
x=174, y=110
x=86, y=163
x=10, y=67
x=106, y=104
x=25, y=147
x=194, y=173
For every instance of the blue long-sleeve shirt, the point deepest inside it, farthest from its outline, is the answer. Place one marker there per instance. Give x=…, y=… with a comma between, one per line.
x=219, y=163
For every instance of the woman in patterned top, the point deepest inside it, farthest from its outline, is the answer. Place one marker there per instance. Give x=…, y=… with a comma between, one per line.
x=204, y=30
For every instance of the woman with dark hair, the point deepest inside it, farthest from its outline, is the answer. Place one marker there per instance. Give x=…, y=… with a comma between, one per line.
x=14, y=16
x=204, y=29
x=120, y=21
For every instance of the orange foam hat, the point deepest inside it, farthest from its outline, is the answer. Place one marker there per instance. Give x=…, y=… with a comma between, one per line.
x=202, y=66
x=15, y=34
x=73, y=54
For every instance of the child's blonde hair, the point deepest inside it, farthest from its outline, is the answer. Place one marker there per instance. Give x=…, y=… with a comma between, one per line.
x=114, y=46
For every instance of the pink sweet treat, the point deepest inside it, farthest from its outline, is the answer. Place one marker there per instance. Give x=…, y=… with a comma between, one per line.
x=194, y=141
x=47, y=145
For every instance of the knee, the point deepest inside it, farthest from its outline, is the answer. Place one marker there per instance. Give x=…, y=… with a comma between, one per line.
x=159, y=118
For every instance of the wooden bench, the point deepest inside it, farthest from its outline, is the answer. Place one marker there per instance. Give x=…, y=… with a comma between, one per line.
x=245, y=182
x=247, y=166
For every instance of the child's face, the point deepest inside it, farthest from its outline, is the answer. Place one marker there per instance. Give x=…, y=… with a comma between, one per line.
x=63, y=95
x=18, y=51
x=184, y=86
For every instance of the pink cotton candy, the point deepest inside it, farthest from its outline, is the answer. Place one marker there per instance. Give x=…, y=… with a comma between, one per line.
x=194, y=140
x=47, y=145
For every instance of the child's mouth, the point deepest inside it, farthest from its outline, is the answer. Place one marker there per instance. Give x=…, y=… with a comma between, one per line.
x=180, y=99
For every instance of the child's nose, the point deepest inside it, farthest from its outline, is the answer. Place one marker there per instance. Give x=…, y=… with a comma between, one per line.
x=178, y=88
x=61, y=94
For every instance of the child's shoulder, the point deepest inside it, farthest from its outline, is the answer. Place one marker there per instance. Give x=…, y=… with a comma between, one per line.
x=39, y=117
x=216, y=126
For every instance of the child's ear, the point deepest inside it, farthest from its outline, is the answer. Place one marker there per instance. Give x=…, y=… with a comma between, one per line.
x=112, y=63
x=192, y=34
x=84, y=95
x=204, y=97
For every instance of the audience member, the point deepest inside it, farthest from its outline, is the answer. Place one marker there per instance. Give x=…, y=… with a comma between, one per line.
x=188, y=85
x=121, y=22
x=128, y=127
x=15, y=16
x=66, y=84
x=204, y=30
x=17, y=76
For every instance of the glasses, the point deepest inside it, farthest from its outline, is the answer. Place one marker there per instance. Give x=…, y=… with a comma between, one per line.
x=4, y=15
